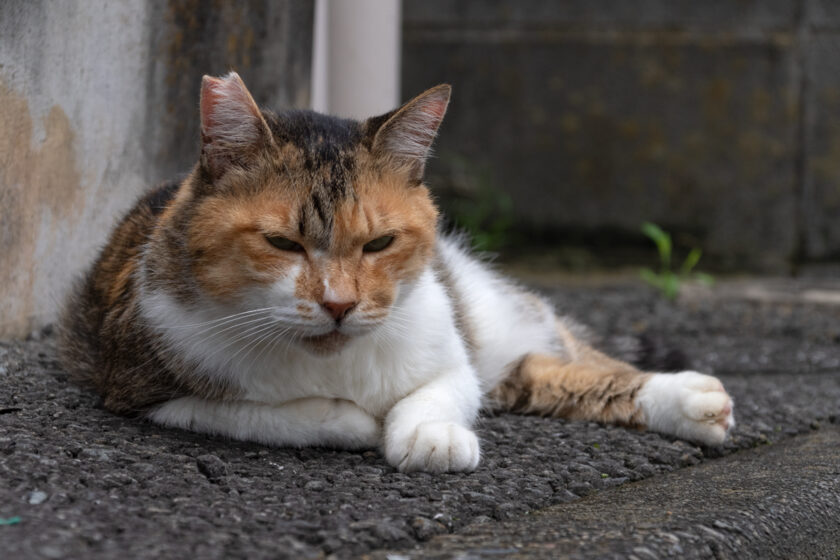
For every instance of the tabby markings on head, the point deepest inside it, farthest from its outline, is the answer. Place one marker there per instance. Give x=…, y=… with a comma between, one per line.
x=328, y=148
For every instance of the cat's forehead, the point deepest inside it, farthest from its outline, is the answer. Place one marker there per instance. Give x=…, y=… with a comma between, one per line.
x=321, y=139
x=322, y=152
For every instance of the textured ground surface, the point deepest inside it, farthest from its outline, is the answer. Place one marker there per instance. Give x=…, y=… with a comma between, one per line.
x=84, y=483
x=736, y=507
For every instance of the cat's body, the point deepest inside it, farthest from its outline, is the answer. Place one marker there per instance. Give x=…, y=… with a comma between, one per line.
x=293, y=290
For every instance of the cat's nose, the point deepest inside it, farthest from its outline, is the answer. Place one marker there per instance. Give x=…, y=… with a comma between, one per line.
x=338, y=310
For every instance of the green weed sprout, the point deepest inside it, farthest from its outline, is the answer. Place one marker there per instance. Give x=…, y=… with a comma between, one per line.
x=486, y=212
x=668, y=281
x=487, y=219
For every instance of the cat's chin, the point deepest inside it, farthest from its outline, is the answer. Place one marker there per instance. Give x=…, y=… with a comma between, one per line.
x=325, y=344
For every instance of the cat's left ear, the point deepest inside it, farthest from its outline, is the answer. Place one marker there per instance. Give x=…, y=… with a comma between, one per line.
x=404, y=137
x=232, y=126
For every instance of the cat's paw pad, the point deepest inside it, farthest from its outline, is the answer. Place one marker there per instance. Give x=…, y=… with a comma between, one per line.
x=434, y=447
x=689, y=405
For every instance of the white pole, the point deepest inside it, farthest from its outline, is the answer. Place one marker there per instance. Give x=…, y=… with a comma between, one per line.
x=356, y=57
x=319, y=58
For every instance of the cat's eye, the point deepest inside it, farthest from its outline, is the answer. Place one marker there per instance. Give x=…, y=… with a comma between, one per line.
x=284, y=244
x=378, y=244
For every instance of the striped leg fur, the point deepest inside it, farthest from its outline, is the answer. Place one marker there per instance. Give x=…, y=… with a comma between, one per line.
x=591, y=386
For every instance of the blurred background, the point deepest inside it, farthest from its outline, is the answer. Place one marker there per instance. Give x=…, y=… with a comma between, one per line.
x=572, y=123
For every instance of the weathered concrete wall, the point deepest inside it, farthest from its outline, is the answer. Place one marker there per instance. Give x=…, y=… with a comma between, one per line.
x=98, y=101
x=821, y=179
x=719, y=119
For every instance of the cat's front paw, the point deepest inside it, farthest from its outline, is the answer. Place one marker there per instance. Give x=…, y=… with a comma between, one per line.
x=434, y=447
x=689, y=405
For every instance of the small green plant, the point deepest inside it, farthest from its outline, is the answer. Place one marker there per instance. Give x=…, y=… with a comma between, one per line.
x=666, y=280
x=487, y=219
x=478, y=208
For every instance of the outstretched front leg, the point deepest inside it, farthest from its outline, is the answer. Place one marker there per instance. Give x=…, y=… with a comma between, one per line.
x=311, y=421
x=429, y=430
x=591, y=386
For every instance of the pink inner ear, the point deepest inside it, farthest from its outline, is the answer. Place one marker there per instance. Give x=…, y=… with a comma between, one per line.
x=231, y=123
x=425, y=120
x=436, y=109
x=228, y=112
x=410, y=134
x=209, y=100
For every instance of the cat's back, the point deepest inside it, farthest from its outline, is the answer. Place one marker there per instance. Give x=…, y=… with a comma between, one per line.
x=108, y=291
x=499, y=320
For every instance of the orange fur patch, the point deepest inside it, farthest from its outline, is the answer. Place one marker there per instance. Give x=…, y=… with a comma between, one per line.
x=121, y=281
x=228, y=230
x=227, y=238
x=591, y=387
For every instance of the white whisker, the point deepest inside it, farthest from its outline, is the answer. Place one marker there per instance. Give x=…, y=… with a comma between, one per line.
x=227, y=317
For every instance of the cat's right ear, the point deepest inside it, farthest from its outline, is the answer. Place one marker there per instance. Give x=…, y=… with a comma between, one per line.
x=232, y=126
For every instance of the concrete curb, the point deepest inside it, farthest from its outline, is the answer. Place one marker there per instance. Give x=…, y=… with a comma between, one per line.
x=780, y=501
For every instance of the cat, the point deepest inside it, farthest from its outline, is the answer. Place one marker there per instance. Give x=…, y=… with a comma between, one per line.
x=294, y=290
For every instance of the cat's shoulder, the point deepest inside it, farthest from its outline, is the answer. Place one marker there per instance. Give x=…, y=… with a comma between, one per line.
x=148, y=208
x=158, y=198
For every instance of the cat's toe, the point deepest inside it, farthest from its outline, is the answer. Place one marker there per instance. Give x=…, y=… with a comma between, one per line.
x=711, y=407
x=435, y=447
x=690, y=405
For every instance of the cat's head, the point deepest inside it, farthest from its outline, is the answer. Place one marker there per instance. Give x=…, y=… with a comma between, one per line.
x=324, y=221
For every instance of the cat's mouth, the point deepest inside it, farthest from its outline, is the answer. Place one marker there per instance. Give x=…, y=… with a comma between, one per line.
x=327, y=343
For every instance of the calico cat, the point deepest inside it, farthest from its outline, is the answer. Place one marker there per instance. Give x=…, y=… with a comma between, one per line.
x=294, y=290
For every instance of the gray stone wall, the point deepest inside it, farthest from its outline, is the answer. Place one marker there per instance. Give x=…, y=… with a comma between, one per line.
x=719, y=120
x=99, y=101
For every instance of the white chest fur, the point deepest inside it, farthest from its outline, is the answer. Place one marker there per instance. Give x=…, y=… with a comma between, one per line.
x=375, y=371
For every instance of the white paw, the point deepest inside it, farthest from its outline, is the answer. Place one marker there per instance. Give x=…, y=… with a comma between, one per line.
x=689, y=405
x=433, y=447
x=347, y=426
